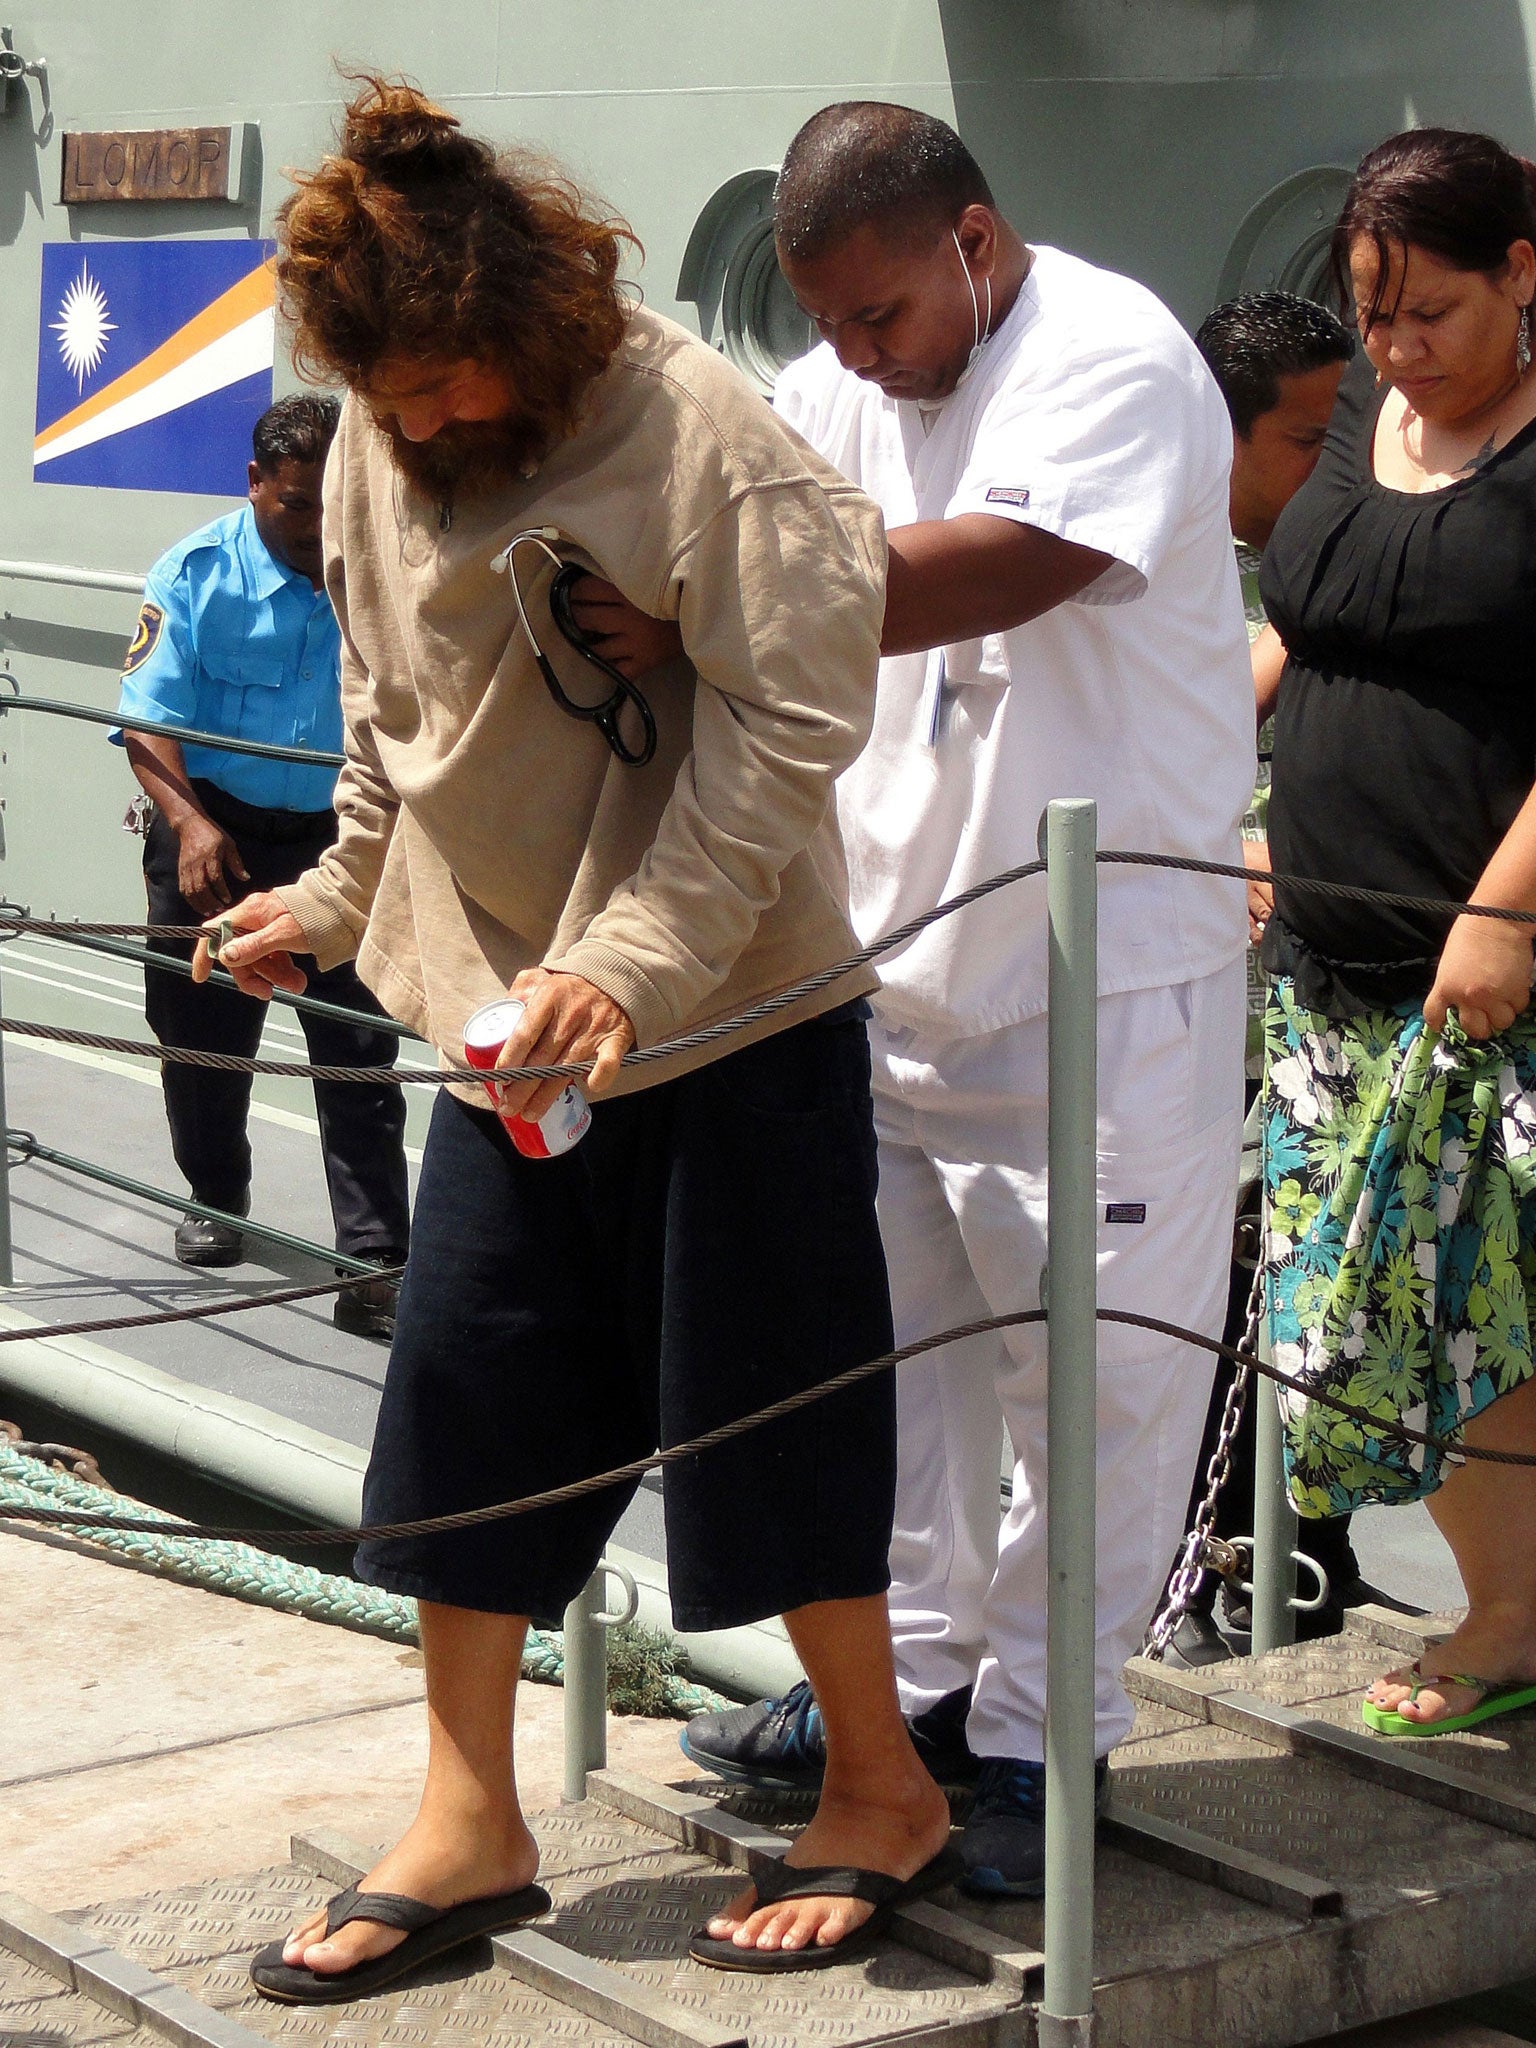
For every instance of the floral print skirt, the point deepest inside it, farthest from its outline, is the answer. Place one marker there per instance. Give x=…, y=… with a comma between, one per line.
x=1400, y=1246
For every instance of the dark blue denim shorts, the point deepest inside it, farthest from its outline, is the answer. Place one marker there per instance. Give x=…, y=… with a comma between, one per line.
x=709, y=1247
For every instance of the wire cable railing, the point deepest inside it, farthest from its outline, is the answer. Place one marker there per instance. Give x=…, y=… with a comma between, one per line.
x=184, y=735
x=112, y=937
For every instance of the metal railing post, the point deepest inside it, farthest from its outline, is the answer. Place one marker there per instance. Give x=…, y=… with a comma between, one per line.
x=7, y=1264
x=586, y=1687
x=1066, y=2011
x=1274, y=1521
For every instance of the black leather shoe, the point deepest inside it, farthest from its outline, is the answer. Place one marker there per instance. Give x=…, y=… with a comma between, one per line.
x=1360, y=1593
x=367, y=1307
x=1198, y=1641
x=202, y=1242
x=781, y=1744
x=1003, y=1847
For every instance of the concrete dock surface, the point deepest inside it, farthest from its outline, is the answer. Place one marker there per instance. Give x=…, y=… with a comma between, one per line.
x=156, y=1735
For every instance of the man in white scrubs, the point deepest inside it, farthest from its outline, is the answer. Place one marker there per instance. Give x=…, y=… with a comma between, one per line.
x=1063, y=619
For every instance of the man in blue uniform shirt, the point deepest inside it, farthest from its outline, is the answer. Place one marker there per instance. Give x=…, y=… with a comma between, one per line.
x=237, y=636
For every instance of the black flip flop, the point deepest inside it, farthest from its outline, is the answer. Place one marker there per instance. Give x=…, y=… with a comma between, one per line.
x=429, y=1931
x=789, y=1881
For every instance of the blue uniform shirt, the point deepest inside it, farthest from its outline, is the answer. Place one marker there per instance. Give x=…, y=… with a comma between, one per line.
x=231, y=641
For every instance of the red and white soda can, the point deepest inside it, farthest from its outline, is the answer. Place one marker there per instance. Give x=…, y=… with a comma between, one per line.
x=563, y=1125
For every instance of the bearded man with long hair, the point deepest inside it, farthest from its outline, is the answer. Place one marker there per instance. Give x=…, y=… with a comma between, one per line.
x=710, y=1246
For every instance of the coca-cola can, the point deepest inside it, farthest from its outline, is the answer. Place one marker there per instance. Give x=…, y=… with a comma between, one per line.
x=563, y=1125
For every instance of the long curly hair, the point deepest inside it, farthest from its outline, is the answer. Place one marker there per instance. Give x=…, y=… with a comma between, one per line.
x=413, y=241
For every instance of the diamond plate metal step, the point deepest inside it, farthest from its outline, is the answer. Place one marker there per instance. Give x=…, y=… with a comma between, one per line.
x=592, y=1988
x=1255, y=1890
x=699, y=1822
x=1305, y=1699
x=627, y=1896
x=84, y=1965
x=38, y=2010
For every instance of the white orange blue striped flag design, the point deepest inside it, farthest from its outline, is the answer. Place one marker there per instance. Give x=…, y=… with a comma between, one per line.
x=154, y=362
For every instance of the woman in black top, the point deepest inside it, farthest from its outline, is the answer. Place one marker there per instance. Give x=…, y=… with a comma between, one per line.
x=1401, y=1064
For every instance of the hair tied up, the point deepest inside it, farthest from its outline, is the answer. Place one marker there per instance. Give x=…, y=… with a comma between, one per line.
x=1454, y=192
x=400, y=138
x=413, y=241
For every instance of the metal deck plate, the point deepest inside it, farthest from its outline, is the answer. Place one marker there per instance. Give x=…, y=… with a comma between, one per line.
x=203, y=1937
x=621, y=1895
x=631, y=1900
x=1435, y=1904
x=1323, y=1682
x=37, y=2011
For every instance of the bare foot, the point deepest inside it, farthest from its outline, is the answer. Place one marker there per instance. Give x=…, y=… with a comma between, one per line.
x=444, y=1868
x=1393, y=1693
x=1499, y=1649
x=898, y=1838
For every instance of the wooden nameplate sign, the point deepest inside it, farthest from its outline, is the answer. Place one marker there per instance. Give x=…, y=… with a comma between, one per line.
x=152, y=164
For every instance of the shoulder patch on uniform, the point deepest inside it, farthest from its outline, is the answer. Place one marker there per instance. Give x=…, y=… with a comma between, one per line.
x=146, y=637
x=1007, y=494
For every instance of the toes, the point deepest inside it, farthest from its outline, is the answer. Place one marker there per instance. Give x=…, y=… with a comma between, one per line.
x=1392, y=1689
x=798, y=1923
x=323, y=1956
x=369, y=1940
x=767, y=1929
x=1437, y=1701
x=842, y=1918
x=312, y=1930
x=358, y=1942
x=793, y=1929
x=730, y=1918
x=1429, y=1706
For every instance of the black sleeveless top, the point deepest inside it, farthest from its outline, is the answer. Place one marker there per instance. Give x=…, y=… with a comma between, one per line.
x=1405, y=735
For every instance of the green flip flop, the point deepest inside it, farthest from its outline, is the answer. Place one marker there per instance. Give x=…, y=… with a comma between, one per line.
x=1496, y=1698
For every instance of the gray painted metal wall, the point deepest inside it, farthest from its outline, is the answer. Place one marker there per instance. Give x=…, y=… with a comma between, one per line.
x=1140, y=133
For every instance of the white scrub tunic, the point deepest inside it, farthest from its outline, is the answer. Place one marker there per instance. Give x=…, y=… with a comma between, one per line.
x=1090, y=415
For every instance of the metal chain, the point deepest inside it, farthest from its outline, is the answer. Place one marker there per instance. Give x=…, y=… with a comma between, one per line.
x=63, y=1457
x=1199, y=1555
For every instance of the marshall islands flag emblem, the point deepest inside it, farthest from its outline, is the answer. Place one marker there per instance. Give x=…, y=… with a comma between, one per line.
x=154, y=361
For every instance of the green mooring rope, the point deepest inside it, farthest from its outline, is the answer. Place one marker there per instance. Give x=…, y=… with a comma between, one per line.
x=267, y=1580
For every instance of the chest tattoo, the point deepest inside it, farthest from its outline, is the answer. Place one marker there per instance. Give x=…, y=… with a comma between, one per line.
x=1476, y=461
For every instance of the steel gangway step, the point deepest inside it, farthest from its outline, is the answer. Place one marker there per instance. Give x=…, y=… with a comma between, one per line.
x=1267, y=1875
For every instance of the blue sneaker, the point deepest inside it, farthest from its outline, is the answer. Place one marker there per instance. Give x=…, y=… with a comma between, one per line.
x=781, y=1744
x=777, y=1743
x=1003, y=1847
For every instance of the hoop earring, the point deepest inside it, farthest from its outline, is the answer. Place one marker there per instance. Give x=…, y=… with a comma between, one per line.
x=1523, y=342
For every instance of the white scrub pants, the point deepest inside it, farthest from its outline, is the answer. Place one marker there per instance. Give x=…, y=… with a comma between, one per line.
x=962, y=1128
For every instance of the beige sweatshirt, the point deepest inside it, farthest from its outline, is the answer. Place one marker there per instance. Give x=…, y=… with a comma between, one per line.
x=483, y=830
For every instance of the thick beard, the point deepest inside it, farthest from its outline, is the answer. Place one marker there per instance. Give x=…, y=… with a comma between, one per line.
x=464, y=460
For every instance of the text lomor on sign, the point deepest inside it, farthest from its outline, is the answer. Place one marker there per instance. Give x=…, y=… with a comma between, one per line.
x=151, y=163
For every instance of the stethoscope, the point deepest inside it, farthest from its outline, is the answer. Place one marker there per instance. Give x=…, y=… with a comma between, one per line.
x=604, y=716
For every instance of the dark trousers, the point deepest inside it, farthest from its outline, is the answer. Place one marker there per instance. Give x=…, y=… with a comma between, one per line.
x=709, y=1247
x=362, y=1125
